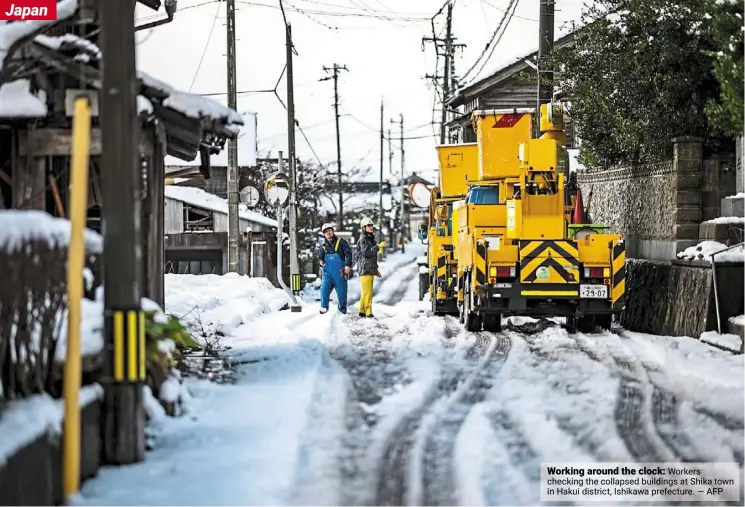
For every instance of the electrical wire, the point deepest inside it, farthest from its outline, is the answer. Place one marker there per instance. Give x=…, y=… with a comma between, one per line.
x=412, y=19
x=488, y=45
x=487, y=2
x=206, y=46
x=486, y=60
x=180, y=9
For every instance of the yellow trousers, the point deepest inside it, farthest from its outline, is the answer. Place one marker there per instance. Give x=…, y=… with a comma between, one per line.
x=366, y=281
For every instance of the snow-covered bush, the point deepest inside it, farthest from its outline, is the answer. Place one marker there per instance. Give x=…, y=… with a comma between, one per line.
x=167, y=339
x=33, y=299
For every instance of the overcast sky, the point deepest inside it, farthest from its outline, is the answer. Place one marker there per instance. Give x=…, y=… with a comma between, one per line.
x=380, y=42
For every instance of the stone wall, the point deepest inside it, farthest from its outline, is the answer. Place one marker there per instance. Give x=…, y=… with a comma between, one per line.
x=659, y=207
x=677, y=298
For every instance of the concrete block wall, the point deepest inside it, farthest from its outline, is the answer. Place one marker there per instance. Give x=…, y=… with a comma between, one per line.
x=659, y=207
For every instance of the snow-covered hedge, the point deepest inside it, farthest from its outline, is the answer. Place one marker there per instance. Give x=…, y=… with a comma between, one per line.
x=33, y=301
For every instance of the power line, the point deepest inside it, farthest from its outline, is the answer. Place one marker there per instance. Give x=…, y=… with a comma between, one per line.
x=206, y=46
x=486, y=60
x=491, y=40
x=319, y=12
x=487, y=2
x=180, y=9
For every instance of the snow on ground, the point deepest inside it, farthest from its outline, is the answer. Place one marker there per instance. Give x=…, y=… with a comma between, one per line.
x=335, y=409
x=273, y=436
x=389, y=268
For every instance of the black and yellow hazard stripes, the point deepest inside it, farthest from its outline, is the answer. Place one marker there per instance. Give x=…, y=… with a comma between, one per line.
x=479, y=262
x=295, y=283
x=549, y=261
x=618, y=283
x=128, y=332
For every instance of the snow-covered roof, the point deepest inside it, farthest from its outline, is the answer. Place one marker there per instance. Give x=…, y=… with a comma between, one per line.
x=87, y=48
x=202, y=199
x=18, y=101
x=352, y=202
x=12, y=31
x=193, y=106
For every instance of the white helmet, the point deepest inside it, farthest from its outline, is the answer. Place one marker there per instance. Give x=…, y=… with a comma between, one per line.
x=365, y=222
x=326, y=226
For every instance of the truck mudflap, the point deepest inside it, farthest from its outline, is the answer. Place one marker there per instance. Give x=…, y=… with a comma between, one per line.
x=618, y=270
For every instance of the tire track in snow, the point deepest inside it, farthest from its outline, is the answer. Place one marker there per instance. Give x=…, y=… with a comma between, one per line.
x=637, y=412
x=438, y=477
x=403, y=479
x=399, y=292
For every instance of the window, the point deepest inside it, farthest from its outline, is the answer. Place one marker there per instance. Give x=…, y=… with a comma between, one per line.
x=483, y=195
x=197, y=219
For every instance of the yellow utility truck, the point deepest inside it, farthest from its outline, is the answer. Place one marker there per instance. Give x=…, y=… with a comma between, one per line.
x=458, y=163
x=518, y=253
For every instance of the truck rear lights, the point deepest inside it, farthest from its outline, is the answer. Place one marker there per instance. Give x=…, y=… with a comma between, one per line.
x=594, y=272
x=506, y=272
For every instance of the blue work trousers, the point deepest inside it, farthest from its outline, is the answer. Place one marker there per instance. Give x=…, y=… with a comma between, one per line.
x=333, y=278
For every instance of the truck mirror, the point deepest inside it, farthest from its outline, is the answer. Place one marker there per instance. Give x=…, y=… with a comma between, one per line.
x=422, y=231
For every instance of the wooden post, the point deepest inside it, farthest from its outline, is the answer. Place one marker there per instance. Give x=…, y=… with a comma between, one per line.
x=124, y=417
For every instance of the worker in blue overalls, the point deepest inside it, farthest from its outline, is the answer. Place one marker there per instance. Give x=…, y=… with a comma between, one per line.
x=335, y=257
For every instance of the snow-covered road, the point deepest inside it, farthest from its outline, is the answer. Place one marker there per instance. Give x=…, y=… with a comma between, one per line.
x=410, y=409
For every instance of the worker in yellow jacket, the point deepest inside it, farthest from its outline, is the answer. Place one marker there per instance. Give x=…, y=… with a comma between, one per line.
x=367, y=262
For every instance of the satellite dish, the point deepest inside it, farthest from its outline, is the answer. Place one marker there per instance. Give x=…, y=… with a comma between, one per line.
x=419, y=194
x=276, y=189
x=387, y=202
x=249, y=196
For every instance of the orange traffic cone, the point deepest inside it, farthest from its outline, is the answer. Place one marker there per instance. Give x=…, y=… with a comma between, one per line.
x=579, y=209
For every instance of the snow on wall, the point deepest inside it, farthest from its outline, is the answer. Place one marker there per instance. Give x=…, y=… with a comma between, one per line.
x=23, y=421
x=18, y=101
x=202, y=199
x=11, y=32
x=20, y=226
x=705, y=249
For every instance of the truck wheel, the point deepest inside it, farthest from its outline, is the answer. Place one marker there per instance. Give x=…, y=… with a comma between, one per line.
x=604, y=321
x=571, y=325
x=493, y=322
x=423, y=279
x=586, y=324
x=434, y=295
x=472, y=321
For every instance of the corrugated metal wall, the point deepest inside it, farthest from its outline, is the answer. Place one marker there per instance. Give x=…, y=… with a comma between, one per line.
x=174, y=216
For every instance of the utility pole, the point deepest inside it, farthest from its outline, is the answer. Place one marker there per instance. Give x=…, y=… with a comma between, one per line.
x=390, y=171
x=335, y=76
x=446, y=77
x=233, y=198
x=380, y=195
x=545, y=46
x=445, y=81
x=294, y=265
x=123, y=414
x=403, y=185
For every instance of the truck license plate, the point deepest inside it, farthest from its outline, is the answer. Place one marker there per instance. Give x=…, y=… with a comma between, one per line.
x=593, y=291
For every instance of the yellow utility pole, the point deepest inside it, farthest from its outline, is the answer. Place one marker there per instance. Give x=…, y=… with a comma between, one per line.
x=81, y=136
